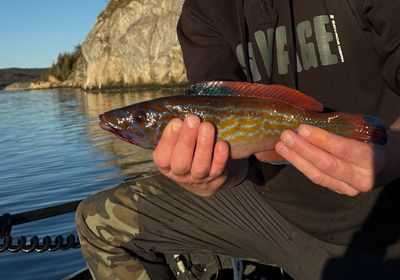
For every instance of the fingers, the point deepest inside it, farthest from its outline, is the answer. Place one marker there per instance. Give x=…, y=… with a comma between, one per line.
x=202, y=159
x=186, y=149
x=330, y=160
x=313, y=173
x=209, y=160
x=350, y=160
x=324, y=161
x=182, y=155
x=220, y=159
x=347, y=149
x=162, y=154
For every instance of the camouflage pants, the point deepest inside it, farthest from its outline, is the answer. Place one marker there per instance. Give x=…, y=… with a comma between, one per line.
x=120, y=225
x=106, y=222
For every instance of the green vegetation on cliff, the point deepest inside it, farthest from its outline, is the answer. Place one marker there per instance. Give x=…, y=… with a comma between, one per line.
x=65, y=64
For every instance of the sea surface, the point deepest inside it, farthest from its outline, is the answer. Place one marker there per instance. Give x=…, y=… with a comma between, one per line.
x=52, y=151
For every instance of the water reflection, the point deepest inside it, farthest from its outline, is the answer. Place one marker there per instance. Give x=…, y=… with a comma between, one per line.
x=131, y=160
x=52, y=150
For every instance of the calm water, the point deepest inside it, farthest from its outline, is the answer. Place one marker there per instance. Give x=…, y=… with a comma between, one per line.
x=53, y=151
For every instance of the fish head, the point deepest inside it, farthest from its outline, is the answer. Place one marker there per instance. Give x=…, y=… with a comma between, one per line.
x=139, y=124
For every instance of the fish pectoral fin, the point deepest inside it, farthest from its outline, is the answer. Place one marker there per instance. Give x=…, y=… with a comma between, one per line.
x=270, y=156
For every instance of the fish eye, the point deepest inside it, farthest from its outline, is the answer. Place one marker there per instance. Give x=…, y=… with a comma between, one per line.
x=140, y=117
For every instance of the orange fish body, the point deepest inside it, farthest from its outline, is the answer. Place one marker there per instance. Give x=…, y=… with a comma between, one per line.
x=250, y=117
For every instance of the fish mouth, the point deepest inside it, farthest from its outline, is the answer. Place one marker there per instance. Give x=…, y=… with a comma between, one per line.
x=106, y=125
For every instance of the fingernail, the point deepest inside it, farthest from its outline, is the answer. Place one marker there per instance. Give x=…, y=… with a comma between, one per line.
x=287, y=139
x=192, y=121
x=304, y=132
x=176, y=126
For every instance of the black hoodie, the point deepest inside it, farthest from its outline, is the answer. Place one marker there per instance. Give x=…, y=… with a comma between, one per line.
x=344, y=53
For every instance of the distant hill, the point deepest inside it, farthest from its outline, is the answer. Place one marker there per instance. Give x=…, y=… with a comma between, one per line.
x=20, y=75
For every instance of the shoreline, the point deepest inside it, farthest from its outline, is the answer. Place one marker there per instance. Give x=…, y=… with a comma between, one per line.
x=42, y=85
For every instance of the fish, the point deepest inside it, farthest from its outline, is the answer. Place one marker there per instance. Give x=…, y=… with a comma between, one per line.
x=250, y=117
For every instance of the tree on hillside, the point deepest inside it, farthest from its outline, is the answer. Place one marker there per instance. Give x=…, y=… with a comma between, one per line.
x=64, y=65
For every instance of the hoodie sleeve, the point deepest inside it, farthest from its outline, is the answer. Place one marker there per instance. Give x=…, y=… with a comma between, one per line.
x=206, y=53
x=381, y=18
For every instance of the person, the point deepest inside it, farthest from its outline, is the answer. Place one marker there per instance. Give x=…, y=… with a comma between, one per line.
x=332, y=213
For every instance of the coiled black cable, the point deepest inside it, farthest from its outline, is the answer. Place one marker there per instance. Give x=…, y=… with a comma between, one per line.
x=7, y=221
x=47, y=244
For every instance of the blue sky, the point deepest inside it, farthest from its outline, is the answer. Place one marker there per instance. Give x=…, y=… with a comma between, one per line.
x=34, y=32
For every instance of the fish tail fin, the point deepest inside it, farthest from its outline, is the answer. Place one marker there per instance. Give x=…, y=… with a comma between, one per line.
x=367, y=128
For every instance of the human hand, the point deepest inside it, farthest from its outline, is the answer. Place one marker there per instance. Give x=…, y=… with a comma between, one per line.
x=343, y=165
x=187, y=155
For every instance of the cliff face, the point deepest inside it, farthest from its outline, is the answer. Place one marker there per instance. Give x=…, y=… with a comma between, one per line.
x=134, y=42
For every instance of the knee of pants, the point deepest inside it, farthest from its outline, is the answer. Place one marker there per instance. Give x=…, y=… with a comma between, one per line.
x=110, y=215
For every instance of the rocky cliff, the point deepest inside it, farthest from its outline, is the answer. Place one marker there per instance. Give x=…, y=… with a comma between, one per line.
x=133, y=43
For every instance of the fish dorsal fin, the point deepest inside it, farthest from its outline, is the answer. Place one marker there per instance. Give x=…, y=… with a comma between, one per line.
x=274, y=92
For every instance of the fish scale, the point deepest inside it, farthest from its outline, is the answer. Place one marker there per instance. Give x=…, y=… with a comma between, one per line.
x=232, y=121
x=250, y=117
